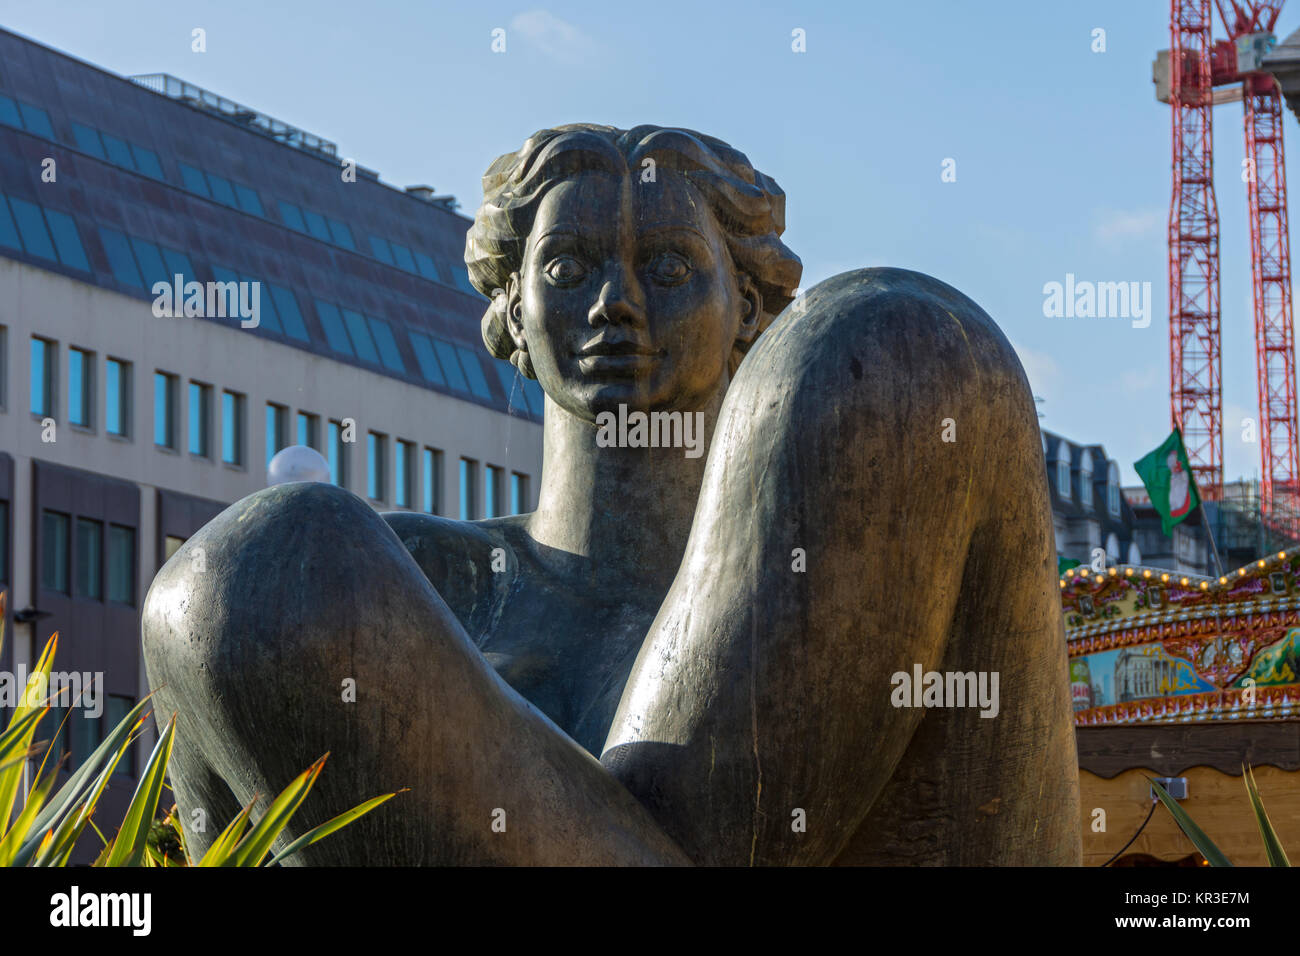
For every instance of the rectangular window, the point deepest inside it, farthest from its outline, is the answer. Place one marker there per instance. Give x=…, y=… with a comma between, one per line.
x=276, y=416
x=360, y=334
x=31, y=227
x=450, y=365
x=81, y=387
x=146, y=161
x=66, y=240
x=222, y=191
x=54, y=551
x=428, y=362
x=473, y=372
x=403, y=472
x=200, y=419
x=120, y=258
x=388, y=352
x=402, y=257
x=84, y=732
x=291, y=215
x=232, y=428
x=164, y=410
x=194, y=180
x=342, y=235
x=90, y=548
x=432, y=481
x=493, y=488
x=45, y=358
x=468, y=472
x=117, y=151
x=4, y=367
x=335, y=334
x=518, y=493
x=338, y=455
x=117, y=397
x=309, y=430
x=376, y=450
x=316, y=225
x=87, y=140
x=248, y=200
x=121, y=564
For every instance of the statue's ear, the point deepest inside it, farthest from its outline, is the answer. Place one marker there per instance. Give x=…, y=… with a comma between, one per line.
x=751, y=308
x=514, y=313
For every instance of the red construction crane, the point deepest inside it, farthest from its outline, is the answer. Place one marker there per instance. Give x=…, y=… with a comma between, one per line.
x=1198, y=64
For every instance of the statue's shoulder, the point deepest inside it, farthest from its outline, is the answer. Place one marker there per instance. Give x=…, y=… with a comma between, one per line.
x=470, y=564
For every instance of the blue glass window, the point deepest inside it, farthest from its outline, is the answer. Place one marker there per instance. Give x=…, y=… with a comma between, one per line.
x=66, y=241
x=360, y=335
x=9, y=113
x=426, y=267
x=43, y=361
x=8, y=233
x=87, y=140
x=31, y=226
x=341, y=234
x=450, y=365
x=375, y=477
x=164, y=410
x=267, y=315
x=146, y=160
x=474, y=372
x=388, y=352
x=428, y=361
x=286, y=304
x=194, y=180
x=152, y=268
x=468, y=469
x=380, y=248
x=117, y=151
x=402, y=257
x=221, y=190
x=79, y=366
x=292, y=216
x=120, y=259
x=316, y=225
x=248, y=200
x=177, y=263
x=36, y=120
x=115, y=383
x=332, y=323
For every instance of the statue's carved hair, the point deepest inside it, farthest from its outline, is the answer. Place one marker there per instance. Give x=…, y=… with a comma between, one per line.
x=749, y=207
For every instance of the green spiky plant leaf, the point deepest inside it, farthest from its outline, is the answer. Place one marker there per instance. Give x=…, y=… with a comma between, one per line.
x=1272, y=845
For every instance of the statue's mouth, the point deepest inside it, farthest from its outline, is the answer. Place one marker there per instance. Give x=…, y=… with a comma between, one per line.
x=605, y=354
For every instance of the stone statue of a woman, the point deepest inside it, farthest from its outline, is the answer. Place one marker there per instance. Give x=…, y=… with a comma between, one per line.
x=679, y=657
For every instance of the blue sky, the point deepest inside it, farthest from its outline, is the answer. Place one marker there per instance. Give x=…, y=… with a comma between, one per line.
x=1062, y=154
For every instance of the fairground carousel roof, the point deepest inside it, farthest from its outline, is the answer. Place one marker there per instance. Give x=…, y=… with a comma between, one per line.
x=1147, y=645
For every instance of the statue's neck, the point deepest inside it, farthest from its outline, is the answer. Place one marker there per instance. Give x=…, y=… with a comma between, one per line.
x=618, y=517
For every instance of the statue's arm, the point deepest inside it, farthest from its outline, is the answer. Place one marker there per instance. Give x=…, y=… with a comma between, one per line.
x=836, y=534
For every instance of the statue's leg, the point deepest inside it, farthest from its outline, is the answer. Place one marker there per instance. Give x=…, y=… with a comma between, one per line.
x=296, y=623
x=875, y=499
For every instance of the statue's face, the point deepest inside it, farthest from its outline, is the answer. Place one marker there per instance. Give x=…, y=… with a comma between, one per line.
x=627, y=295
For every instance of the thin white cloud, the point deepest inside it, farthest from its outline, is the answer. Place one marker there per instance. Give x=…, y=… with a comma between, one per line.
x=1042, y=371
x=555, y=37
x=1122, y=224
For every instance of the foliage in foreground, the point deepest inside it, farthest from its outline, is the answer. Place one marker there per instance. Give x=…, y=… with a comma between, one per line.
x=1213, y=855
x=45, y=830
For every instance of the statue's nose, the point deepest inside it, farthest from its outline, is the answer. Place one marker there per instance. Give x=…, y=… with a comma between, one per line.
x=618, y=302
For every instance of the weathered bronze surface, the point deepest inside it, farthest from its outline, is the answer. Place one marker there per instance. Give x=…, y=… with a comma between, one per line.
x=684, y=655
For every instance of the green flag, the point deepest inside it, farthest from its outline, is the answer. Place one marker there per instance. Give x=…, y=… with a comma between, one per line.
x=1169, y=481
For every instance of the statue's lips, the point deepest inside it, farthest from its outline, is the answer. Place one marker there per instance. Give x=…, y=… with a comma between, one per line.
x=605, y=356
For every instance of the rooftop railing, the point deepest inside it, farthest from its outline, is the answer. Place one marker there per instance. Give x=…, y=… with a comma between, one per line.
x=178, y=89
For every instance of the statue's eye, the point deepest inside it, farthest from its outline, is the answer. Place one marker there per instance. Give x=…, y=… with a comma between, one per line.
x=565, y=270
x=669, y=269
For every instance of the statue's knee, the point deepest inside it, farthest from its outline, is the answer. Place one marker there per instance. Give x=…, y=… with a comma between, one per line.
x=283, y=563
